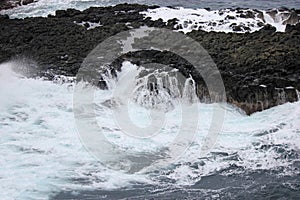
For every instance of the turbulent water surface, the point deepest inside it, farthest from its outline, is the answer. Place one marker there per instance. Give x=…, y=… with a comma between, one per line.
x=45, y=7
x=42, y=156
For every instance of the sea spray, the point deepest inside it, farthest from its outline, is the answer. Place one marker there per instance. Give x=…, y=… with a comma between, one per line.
x=155, y=90
x=189, y=91
x=39, y=142
x=298, y=94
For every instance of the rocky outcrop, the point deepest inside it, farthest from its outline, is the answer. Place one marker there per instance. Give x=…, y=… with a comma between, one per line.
x=8, y=4
x=260, y=70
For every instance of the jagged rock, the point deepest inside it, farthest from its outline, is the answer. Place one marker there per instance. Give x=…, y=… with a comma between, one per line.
x=237, y=28
x=272, y=13
x=290, y=28
x=26, y=2
x=268, y=28
x=240, y=27
x=4, y=17
x=292, y=19
x=248, y=14
x=229, y=17
x=8, y=4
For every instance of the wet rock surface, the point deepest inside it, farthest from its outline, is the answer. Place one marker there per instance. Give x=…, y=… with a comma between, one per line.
x=260, y=69
x=8, y=4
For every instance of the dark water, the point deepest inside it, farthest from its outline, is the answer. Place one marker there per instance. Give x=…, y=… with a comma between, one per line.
x=260, y=184
x=43, y=7
x=258, y=4
x=233, y=182
x=217, y=4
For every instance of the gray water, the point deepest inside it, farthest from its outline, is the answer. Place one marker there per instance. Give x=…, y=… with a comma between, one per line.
x=45, y=7
x=217, y=4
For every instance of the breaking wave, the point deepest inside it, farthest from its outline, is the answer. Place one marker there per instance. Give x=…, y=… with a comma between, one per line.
x=41, y=153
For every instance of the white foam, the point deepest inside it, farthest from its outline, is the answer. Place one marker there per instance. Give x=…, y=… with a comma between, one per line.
x=216, y=20
x=91, y=25
x=41, y=152
x=276, y=21
x=290, y=87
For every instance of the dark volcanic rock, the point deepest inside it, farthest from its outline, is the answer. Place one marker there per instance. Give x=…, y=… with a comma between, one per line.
x=8, y=4
x=248, y=14
x=259, y=69
x=25, y=2
x=290, y=28
x=292, y=19
x=5, y=4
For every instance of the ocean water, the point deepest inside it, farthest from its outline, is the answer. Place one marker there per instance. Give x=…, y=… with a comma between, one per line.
x=43, y=155
x=45, y=7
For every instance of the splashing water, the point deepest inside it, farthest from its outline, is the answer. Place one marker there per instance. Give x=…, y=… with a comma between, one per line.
x=298, y=95
x=45, y=7
x=41, y=153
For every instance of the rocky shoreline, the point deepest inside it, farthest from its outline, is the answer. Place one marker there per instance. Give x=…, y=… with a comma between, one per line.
x=260, y=69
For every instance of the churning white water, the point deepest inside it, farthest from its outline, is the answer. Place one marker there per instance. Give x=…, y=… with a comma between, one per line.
x=41, y=152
